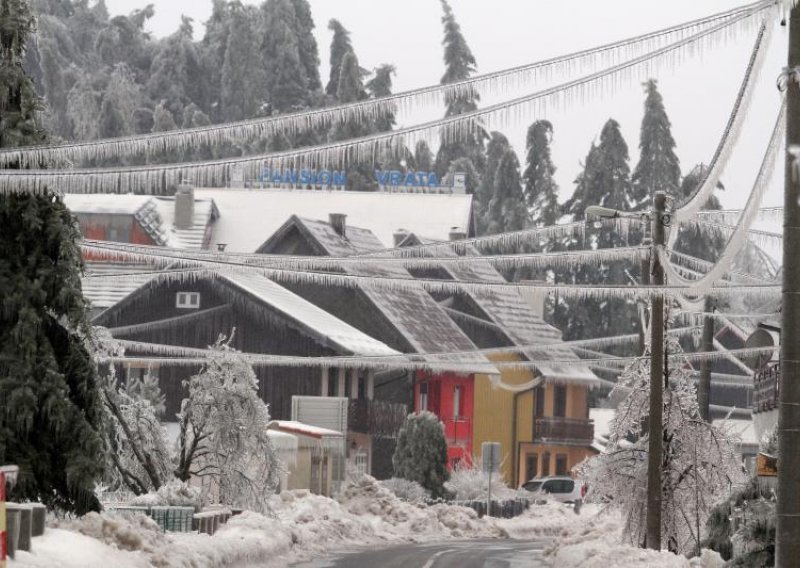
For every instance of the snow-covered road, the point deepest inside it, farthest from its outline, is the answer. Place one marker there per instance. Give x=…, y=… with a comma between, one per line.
x=480, y=553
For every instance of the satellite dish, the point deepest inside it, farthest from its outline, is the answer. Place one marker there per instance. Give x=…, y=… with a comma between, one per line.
x=761, y=338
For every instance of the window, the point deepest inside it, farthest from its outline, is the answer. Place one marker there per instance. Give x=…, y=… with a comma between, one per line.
x=539, y=394
x=456, y=401
x=423, y=397
x=361, y=462
x=561, y=464
x=560, y=401
x=187, y=300
x=531, y=466
x=545, y=464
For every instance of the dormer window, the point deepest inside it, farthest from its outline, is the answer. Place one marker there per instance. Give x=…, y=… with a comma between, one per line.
x=187, y=300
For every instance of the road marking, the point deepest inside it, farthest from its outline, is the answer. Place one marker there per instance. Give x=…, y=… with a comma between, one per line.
x=433, y=558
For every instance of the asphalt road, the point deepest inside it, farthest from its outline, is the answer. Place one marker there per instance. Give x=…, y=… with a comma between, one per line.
x=453, y=554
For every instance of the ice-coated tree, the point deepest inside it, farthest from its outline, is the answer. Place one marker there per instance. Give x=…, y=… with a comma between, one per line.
x=541, y=189
x=163, y=120
x=466, y=167
x=242, y=91
x=340, y=46
x=223, y=432
x=51, y=408
x=497, y=146
x=692, y=240
x=421, y=453
x=469, y=482
x=176, y=74
x=423, y=157
x=360, y=177
x=381, y=86
x=506, y=211
x=460, y=64
x=139, y=457
x=307, y=43
x=699, y=465
x=286, y=75
x=659, y=168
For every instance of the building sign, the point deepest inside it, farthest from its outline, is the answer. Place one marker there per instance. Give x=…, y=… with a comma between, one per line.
x=766, y=465
x=387, y=180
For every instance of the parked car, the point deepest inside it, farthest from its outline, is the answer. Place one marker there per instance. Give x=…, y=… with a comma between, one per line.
x=561, y=488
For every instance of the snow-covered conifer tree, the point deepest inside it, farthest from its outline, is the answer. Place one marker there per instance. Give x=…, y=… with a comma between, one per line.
x=541, y=189
x=699, y=464
x=223, y=433
x=421, y=452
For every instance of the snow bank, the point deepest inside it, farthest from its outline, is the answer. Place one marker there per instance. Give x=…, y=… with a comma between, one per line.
x=596, y=544
x=302, y=526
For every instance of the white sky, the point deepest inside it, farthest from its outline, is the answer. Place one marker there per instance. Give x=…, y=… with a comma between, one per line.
x=698, y=93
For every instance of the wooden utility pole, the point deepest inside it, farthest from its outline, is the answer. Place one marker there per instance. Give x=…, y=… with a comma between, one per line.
x=704, y=385
x=655, y=428
x=787, y=551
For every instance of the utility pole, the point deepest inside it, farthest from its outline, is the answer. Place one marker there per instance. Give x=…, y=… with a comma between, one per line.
x=645, y=281
x=704, y=386
x=655, y=428
x=787, y=536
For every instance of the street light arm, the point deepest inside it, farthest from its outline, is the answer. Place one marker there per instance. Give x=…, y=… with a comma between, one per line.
x=604, y=212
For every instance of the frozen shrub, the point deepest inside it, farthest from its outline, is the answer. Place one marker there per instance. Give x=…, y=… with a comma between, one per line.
x=410, y=491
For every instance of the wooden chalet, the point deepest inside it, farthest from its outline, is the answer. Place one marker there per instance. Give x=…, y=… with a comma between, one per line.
x=544, y=428
x=267, y=318
x=408, y=320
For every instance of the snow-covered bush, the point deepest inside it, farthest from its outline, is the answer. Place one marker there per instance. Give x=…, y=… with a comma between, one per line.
x=406, y=490
x=223, y=433
x=700, y=461
x=139, y=458
x=469, y=482
x=174, y=493
x=421, y=452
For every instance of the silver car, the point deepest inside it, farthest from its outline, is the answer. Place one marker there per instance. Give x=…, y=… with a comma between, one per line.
x=561, y=488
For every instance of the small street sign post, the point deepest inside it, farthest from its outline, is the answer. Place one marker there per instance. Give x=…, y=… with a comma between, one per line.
x=490, y=462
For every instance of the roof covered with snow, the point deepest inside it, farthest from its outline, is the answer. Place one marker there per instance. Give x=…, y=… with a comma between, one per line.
x=744, y=428
x=249, y=217
x=412, y=311
x=156, y=215
x=105, y=292
x=316, y=321
x=515, y=317
x=303, y=429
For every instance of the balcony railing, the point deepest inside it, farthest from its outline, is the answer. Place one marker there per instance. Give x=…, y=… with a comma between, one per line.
x=566, y=430
x=766, y=388
x=376, y=417
x=458, y=431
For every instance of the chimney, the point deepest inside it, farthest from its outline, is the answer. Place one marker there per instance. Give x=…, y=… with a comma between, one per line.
x=184, y=206
x=399, y=236
x=338, y=222
x=457, y=234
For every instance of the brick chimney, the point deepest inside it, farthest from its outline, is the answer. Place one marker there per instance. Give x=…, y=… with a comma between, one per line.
x=184, y=206
x=457, y=234
x=339, y=223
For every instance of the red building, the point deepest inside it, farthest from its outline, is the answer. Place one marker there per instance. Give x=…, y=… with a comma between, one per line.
x=450, y=397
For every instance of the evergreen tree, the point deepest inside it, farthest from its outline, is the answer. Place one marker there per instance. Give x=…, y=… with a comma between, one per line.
x=307, y=44
x=541, y=189
x=381, y=86
x=466, y=167
x=658, y=168
x=212, y=50
x=351, y=89
x=51, y=411
x=498, y=144
x=421, y=453
x=163, y=120
x=286, y=79
x=176, y=74
x=423, y=157
x=112, y=124
x=691, y=240
x=506, y=210
x=242, y=93
x=340, y=46
x=459, y=65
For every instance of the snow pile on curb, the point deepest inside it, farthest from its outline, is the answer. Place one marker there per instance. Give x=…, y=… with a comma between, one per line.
x=595, y=544
x=302, y=526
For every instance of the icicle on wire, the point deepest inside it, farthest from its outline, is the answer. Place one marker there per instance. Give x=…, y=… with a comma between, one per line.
x=697, y=267
x=243, y=131
x=694, y=202
x=199, y=356
x=158, y=178
x=551, y=260
x=756, y=236
x=738, y=237
x=198, y=270
x=771, y=215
